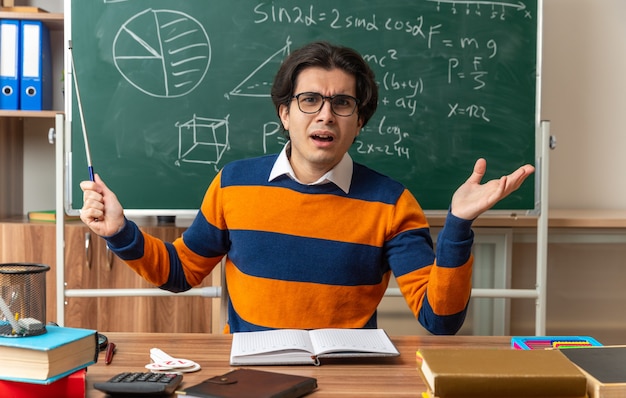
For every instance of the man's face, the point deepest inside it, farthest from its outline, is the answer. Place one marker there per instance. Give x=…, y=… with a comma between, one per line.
x=319, y=140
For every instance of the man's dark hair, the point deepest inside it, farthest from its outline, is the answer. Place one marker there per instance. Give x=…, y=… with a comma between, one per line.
x=327, y=56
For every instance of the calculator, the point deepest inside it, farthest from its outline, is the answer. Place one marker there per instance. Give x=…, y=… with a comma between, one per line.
x=140, y=383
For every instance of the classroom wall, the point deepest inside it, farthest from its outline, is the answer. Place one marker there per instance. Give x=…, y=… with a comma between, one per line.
x=586, y=294
x=584, y=97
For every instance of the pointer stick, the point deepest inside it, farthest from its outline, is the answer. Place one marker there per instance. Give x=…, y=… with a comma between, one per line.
x=82, y=117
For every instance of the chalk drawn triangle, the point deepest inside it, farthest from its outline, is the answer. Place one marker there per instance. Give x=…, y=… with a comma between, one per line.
x=259, y=81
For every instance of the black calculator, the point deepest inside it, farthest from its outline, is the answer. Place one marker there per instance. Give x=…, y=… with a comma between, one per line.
x=140, y=383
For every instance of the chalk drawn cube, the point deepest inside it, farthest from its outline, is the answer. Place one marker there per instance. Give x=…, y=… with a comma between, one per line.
x=202, y=140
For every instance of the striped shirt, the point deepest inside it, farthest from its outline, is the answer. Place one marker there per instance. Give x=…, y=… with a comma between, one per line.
x=311, y=256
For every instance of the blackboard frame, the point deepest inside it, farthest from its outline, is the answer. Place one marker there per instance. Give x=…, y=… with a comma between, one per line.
x=75, y=157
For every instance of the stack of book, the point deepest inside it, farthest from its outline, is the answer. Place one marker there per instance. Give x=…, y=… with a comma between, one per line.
x=52, y=364
x=478, y=372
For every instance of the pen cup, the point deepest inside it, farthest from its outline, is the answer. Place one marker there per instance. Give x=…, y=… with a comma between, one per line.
x=22, y=299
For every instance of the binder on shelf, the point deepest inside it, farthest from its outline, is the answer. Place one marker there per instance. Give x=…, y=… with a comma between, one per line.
x=36, y=67
x=9, y=64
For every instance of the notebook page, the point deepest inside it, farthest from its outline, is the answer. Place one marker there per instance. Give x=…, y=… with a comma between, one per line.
x=250, y=343
x=352, y=340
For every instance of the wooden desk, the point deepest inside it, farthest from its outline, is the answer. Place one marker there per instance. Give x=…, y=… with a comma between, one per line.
x=381, y=377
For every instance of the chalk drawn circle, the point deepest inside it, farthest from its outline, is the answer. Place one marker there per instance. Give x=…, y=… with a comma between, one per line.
x=162, y=53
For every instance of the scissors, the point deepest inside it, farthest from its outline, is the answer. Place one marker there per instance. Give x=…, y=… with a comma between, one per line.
x=162, y=362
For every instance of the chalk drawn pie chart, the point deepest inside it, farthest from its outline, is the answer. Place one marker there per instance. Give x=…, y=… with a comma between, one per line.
x=162, y=53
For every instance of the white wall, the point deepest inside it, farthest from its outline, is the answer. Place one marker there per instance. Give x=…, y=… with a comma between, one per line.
x=584, y=97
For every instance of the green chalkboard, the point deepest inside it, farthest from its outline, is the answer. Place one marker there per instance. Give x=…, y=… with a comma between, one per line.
x=458, y=81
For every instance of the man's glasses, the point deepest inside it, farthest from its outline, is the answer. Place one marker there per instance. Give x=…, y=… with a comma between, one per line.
x=340, y=104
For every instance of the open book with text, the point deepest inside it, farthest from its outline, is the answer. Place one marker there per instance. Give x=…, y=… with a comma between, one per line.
x=294, y=346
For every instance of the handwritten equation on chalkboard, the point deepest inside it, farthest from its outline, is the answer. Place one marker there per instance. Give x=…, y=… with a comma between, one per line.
x=457, y=80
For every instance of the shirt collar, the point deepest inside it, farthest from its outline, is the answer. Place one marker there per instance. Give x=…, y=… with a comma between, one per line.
x=340, y=175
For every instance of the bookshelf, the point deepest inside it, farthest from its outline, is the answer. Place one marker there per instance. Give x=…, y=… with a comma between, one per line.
x=20, y=240
x=14, y=123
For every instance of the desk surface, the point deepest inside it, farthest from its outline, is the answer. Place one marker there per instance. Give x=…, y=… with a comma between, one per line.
x=388, y=377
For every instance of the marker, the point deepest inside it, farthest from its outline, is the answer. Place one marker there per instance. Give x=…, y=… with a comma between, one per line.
x=108, y=355
x=82, y=117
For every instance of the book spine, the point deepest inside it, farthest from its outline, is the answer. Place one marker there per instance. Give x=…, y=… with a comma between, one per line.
x=72, y=386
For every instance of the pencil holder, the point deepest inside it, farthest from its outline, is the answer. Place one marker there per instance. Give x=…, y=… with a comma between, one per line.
x=22, y=299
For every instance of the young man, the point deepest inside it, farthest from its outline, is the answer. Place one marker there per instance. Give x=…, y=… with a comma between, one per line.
x=312, y=238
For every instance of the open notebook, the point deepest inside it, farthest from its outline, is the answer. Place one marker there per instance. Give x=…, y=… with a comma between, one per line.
x=294, y=346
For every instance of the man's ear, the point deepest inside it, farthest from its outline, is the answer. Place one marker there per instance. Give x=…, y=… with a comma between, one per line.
x=283, y=112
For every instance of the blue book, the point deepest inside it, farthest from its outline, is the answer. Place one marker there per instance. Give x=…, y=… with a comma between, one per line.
x=47, y=357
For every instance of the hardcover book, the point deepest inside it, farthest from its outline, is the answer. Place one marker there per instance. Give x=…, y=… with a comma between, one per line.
x=295, y=346
x=47, y=357
x=604, y=367
x=478, y=372
x=71, y=386
x=251, y=383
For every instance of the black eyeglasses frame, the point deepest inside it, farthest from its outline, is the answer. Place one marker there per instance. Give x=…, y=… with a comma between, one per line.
x=325, y=98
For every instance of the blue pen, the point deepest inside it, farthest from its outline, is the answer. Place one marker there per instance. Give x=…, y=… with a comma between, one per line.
x=82, y=118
